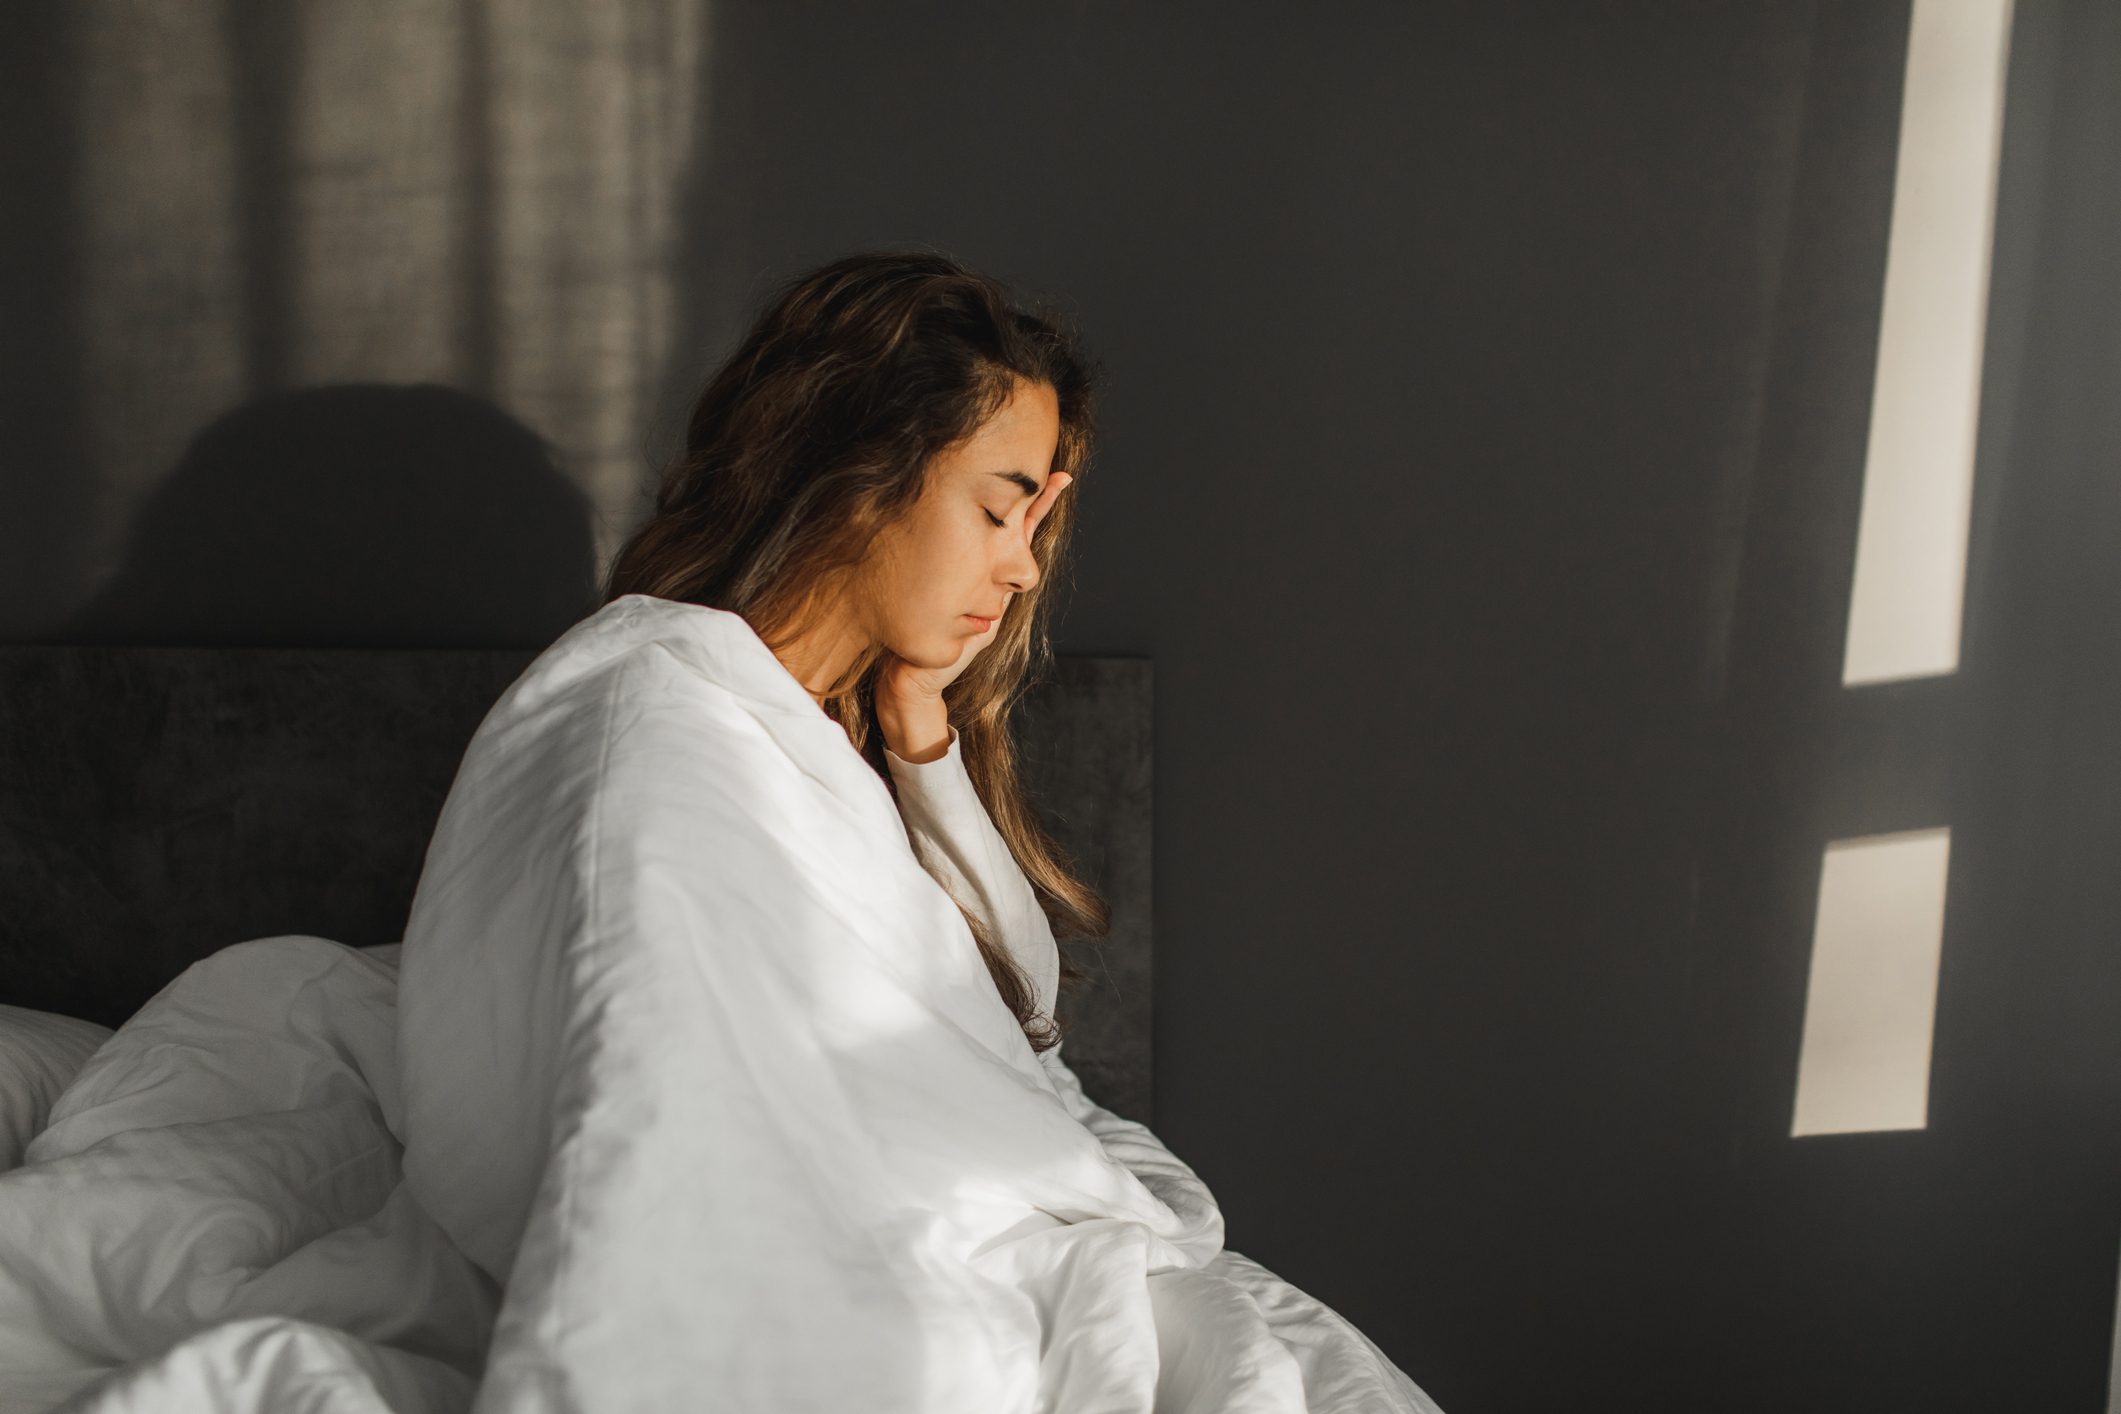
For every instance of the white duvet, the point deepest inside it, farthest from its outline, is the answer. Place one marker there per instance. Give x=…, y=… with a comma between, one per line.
x=688, y=1090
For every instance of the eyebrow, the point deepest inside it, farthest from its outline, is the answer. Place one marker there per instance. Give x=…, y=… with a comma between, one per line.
x=1030, y=486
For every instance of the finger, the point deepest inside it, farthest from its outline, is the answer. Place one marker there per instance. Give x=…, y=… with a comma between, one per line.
x=1055, y=484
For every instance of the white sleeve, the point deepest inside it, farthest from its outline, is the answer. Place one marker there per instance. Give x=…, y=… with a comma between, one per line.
x=957, y=843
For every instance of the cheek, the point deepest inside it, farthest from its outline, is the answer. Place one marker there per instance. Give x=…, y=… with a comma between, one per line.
x=953, y=553
x=938, y=566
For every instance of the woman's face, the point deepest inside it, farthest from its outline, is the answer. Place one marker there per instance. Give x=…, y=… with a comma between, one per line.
x=962, y=548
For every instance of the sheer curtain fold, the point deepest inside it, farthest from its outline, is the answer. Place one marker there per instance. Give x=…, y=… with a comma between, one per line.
x=478, y=193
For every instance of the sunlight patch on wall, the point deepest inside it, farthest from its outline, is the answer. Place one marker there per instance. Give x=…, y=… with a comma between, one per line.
x=1905, y=606
x=593, y=123
x=159, y=293
x=1871, y=1002
x=485, y=194
x=377, y=190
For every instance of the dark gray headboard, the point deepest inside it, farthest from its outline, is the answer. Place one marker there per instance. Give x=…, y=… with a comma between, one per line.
x=158, y=804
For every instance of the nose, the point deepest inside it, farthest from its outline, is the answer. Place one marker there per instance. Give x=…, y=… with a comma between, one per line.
x=1019, y=568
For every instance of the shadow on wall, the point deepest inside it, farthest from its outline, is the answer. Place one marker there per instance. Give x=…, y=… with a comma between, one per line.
x=360, y=516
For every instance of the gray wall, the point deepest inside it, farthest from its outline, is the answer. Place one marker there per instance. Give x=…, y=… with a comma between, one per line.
x=1485, y=431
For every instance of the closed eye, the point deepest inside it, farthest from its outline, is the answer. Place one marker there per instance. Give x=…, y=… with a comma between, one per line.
x=991, y=516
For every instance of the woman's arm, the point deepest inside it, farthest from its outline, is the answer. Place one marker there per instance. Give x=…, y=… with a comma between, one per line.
x=956, y=841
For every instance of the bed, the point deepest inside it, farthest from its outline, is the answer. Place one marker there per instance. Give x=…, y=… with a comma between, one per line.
x=225, y=1189
x=162, y=803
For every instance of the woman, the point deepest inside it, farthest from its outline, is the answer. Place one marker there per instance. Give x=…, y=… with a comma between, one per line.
x=699, y=1042
x=872, y=481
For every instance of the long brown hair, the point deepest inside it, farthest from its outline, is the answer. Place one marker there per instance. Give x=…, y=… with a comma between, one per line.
x=815, y=435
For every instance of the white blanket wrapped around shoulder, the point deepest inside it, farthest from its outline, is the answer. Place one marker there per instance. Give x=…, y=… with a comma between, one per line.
x=705, y=1100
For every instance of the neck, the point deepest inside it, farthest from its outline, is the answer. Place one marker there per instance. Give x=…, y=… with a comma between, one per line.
x=821, y=657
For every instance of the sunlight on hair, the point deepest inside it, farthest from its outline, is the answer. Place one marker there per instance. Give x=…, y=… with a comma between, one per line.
x=1918, y=474
x=1871, y=1002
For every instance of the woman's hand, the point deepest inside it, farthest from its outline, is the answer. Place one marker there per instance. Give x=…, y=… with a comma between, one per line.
x=906, y=691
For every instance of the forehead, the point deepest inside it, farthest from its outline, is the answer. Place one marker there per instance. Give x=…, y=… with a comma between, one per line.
x=1021, y=437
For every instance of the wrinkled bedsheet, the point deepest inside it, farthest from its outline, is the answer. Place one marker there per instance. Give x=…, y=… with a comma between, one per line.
x=688, y=1089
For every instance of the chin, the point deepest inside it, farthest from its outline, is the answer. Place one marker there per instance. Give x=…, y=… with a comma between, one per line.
x=931, y=653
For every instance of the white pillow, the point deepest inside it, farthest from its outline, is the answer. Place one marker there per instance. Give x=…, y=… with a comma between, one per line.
x=40, y=1053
